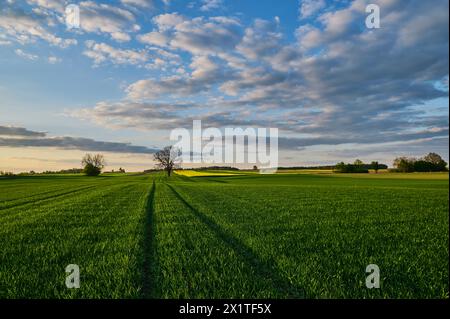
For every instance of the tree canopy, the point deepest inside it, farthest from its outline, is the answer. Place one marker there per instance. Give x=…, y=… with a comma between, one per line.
x=165, y=159
x=431, y=162
x=93, y=164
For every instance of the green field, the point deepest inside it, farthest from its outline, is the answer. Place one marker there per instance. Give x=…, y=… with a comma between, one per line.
x=238, y=236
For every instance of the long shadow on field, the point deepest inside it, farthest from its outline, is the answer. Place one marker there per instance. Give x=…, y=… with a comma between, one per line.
x=151, y=262
x=263, y=269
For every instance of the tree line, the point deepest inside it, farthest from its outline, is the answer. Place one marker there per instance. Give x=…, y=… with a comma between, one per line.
x=92, y=165
x=429, y=163
x=358, y=167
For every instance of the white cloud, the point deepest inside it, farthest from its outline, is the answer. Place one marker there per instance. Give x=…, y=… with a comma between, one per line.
x=338, y=22
x=206, y=36
x=208, y=5
x=150, y=58
x=310, y=7
x=199, y=36
x=154, y=38
x=260, y=40
x=158, y=64
x=24, y=29
x=54, y=60
x=102, y=52
x=203, y=68
x=139, y=3
x=120, y=36
x=168, y=20
x=104, y=18
x=57, y=5
x=205, y=73
x=132, y=114
x=26, y=55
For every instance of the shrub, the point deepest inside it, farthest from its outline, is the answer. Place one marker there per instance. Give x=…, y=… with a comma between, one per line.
x=91, y=170
x=93, y=164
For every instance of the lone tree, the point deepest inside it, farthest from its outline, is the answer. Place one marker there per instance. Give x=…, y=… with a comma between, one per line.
x=165, y=159
x=93, y=164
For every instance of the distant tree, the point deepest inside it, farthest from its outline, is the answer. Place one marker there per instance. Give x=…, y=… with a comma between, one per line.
x=375, y=166
x=7, y=174
x=429, y=163
x=436, y=161
x=423, y=166
x=65, y=171
x=340, y=167
x=93, y=164
x=358, y=163
x=357, y=167
x=404, y=164
x=433, y=158
x=165, y=159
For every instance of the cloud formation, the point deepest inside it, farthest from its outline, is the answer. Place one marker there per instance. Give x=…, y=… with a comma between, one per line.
x=329, y=81
x=208, y=5
x=25, y=55
x=22, y=137
x=335, y=80
x=19, y=131
x=310, y=7
x=139, y=3
x=23, y=28
x=101, y=52
x=109, y=19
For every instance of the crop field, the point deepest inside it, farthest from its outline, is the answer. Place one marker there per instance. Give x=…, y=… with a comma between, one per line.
x=192, y=173
x=225, y=236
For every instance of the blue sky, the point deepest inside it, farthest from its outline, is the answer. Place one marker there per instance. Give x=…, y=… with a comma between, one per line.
x=135, y=69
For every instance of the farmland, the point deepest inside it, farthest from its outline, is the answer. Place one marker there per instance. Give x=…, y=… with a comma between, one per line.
x=225, y=235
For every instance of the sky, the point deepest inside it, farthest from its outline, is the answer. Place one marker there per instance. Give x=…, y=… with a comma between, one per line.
x=136, y=69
